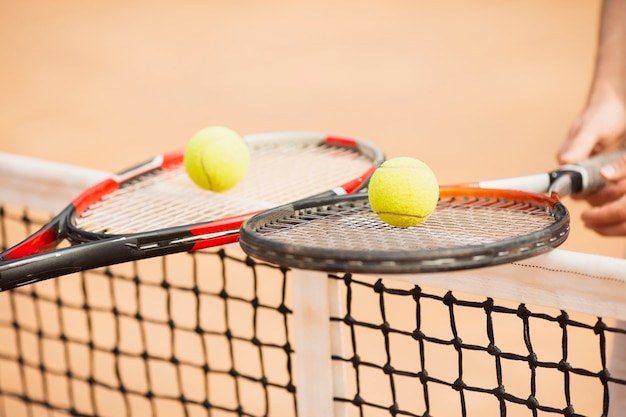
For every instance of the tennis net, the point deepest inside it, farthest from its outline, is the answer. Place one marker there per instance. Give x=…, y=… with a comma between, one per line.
x=216, y=333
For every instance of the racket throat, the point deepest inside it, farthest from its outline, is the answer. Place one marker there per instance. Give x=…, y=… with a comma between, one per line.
x=194, y=242
x=47, y=238
x=566, y=183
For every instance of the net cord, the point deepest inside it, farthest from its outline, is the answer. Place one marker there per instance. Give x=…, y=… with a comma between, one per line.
x=41, y=184
x=562, y=279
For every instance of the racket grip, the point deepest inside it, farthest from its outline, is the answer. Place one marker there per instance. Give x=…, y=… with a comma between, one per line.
x=590, y=171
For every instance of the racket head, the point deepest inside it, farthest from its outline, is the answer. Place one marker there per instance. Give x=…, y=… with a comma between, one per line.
x=470, y=228
x=156, y=201
x=284, y=167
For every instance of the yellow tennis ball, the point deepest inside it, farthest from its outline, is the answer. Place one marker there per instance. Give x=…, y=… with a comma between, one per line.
x=216, y=158
x=403, y=192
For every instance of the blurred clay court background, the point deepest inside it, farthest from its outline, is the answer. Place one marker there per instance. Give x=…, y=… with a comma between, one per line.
x=477, y=89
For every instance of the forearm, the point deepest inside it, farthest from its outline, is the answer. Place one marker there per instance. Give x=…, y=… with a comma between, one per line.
x=610, y=68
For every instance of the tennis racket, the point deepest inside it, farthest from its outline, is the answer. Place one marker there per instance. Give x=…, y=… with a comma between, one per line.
x=154, y=209
x=473, y=225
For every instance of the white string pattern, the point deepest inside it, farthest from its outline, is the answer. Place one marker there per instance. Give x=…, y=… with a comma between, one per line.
x=455, y=223
x=278, y=173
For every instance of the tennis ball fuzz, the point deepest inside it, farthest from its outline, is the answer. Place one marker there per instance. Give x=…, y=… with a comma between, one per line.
x=216, y=158
x=403, y=192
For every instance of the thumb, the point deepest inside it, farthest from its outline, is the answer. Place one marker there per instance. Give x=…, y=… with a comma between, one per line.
x=578, y=145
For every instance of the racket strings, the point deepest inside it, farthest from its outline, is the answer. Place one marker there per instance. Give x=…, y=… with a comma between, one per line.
x=278, y=173
x=455, y=223
x=487, y=220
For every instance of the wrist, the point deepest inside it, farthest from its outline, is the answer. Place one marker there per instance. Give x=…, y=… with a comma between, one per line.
x=607, y=88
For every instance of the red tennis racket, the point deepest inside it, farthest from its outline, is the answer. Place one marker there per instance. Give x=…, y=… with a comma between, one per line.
x=154, y=209
x=474, y=225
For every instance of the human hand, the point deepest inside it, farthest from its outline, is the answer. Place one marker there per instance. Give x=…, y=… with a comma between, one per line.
x=599, y=128
x=607, y=216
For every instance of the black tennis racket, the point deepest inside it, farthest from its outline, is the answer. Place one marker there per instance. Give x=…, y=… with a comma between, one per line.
x=154, y=209
x=474, y=225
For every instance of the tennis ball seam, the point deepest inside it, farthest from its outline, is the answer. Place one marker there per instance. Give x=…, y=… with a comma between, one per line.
x=206, y=173
x=391, y=213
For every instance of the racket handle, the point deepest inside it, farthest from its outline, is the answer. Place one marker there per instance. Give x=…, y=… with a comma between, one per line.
x=589, y=171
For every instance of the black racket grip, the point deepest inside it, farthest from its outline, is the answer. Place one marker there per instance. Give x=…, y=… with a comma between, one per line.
x=79, y=258
x=589, y=171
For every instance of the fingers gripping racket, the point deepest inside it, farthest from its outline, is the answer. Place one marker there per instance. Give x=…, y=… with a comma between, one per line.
x=154, y=209
x=474, y=225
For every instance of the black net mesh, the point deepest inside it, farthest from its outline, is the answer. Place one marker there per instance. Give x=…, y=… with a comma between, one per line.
x=163, y=337
x=431, y=353
x=211, y=334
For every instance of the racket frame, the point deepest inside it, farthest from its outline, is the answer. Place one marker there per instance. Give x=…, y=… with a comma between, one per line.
x=403, y=261
x=36, y=258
